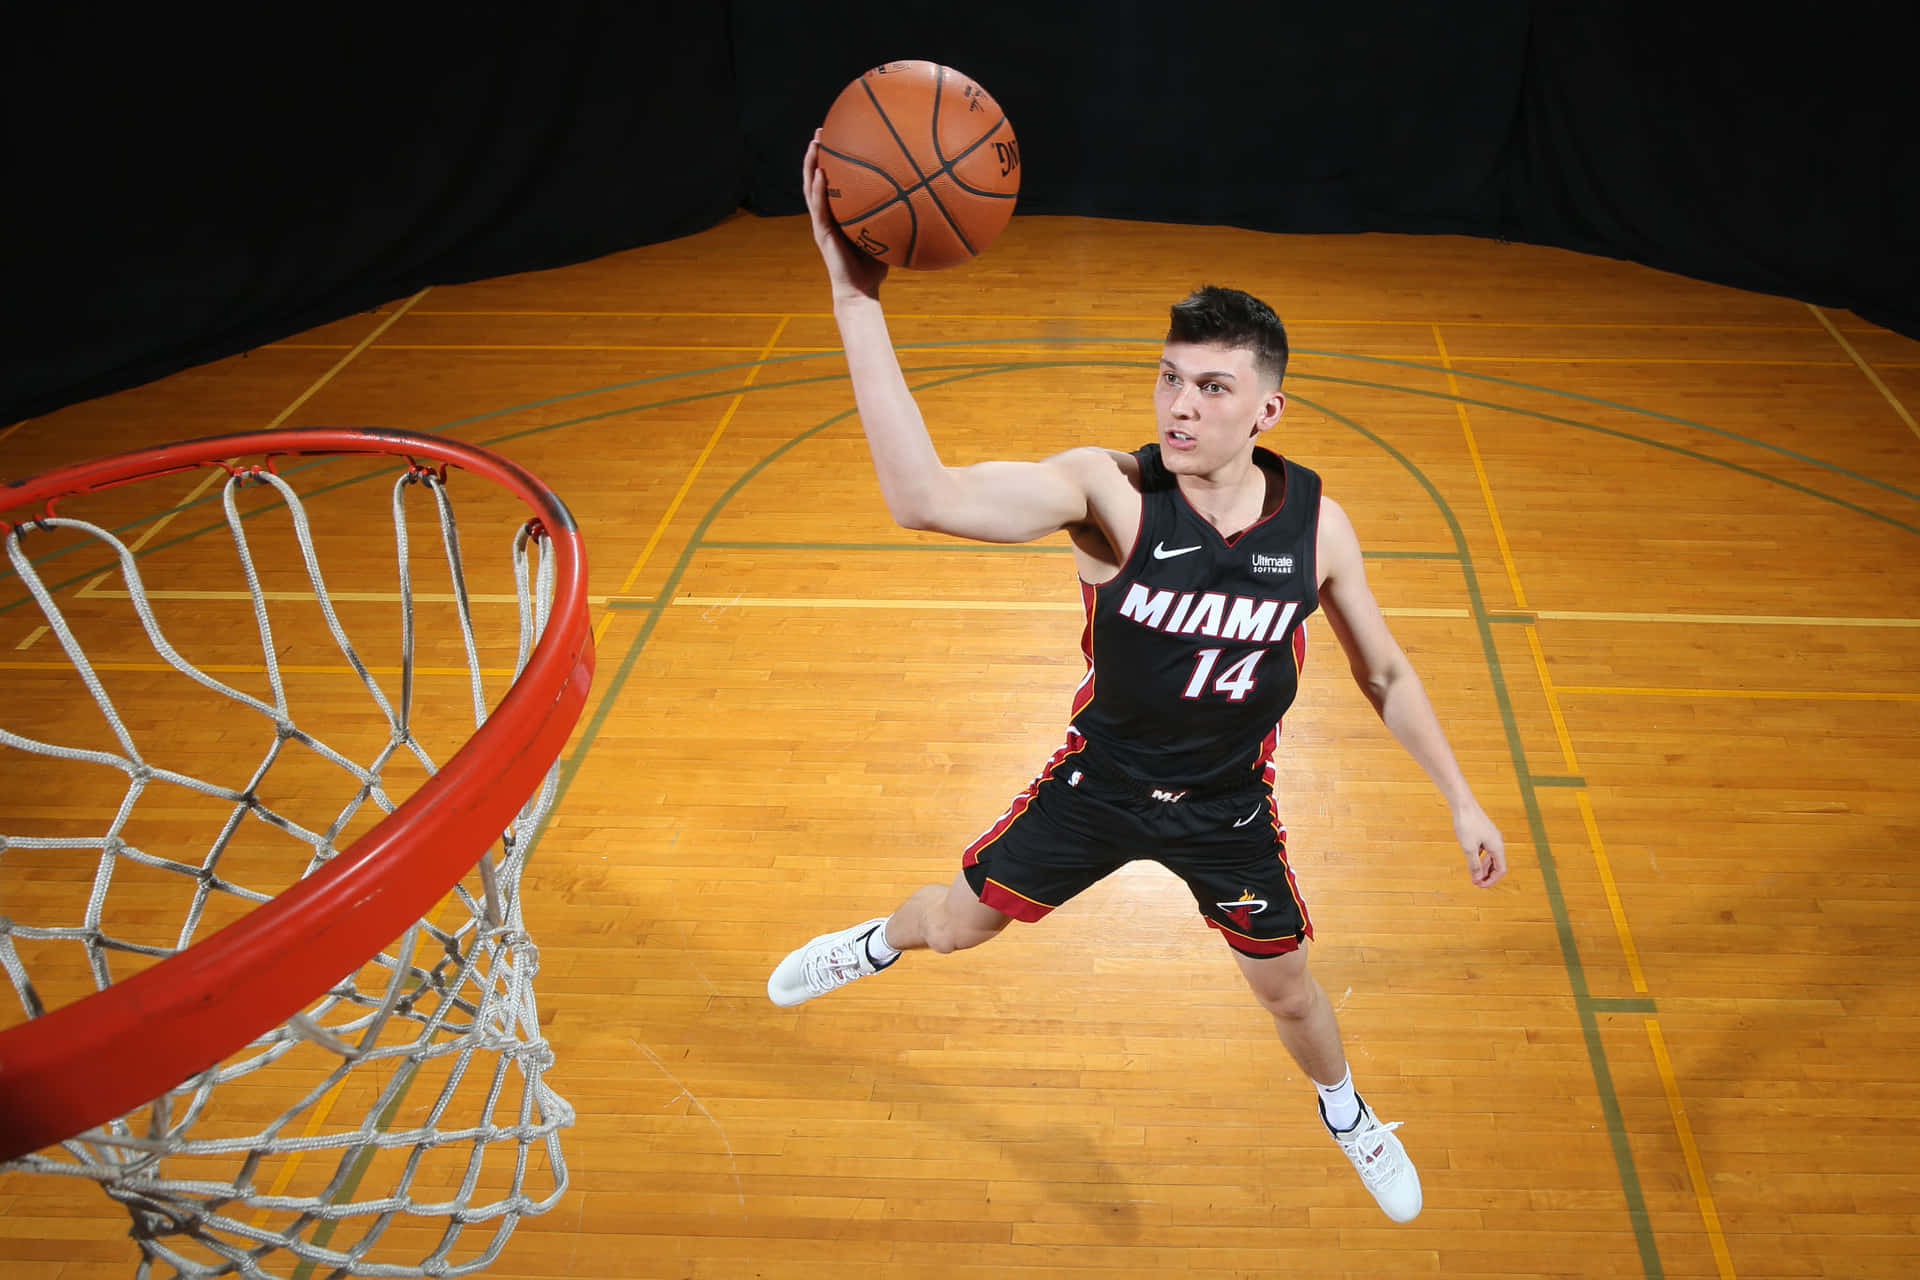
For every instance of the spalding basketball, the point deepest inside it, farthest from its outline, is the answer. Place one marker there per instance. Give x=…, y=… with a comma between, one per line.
x=922, y=166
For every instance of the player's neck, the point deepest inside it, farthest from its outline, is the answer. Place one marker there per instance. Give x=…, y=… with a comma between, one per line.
x=1231, y=498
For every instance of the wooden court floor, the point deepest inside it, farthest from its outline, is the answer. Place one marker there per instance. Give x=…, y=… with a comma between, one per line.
x=1651, y=543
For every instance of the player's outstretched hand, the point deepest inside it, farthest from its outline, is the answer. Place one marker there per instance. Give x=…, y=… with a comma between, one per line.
x=853, y=274
x=1486, y=851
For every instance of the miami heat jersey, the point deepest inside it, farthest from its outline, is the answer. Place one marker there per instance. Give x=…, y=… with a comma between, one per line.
x=1194, y=648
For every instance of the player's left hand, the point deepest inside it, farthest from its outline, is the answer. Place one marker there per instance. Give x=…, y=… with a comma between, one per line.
x=1486, y=851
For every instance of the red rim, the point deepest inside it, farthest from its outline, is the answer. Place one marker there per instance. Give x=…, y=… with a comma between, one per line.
x=101, y=1057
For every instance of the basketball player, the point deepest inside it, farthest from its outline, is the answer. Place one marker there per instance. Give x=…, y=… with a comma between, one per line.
x=1200, y=556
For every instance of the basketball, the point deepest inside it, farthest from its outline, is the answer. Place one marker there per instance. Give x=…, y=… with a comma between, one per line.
x=922, y=166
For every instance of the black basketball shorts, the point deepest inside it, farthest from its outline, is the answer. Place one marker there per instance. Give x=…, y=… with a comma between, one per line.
x=1071, y=829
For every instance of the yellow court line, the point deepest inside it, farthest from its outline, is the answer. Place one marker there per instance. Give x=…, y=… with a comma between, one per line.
x=32, y=636
x=1158, y=318
x=1702, y=1191
x=1052, y=348
x=215, y=475
x=347, y=359
x=7, y=431
x=338, y=597
x=1867, y=369
x=285, y=1177
x=1724, y=619
x=960, y=606
x=1805, y=695
x=1614, y=904
x=1480, y=470
x=667, y=518
x=600, y=628
x=250, y=668
x=1553, y=700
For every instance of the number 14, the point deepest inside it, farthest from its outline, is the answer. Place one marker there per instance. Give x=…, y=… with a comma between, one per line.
x=1236, y=681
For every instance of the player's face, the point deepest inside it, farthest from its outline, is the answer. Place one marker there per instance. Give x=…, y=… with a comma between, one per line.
x=1210, y=403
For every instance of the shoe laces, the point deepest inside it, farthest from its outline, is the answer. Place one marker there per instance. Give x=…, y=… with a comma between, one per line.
x=1377, y=1157
x=833, y=966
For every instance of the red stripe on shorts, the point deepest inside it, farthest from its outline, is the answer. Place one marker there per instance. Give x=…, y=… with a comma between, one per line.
x=1074, y=743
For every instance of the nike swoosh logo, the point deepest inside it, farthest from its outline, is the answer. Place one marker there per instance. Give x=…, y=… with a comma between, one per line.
x=1161, y=551
x=1250, y=817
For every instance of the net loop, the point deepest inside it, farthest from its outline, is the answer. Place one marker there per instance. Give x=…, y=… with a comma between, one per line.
x=436, y=1038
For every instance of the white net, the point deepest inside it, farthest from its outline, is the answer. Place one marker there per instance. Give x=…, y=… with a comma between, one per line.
x=401, y=1124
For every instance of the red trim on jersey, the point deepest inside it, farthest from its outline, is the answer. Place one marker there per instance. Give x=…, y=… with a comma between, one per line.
x=1278, y=507
x=1073, y=745
x=1089, y=597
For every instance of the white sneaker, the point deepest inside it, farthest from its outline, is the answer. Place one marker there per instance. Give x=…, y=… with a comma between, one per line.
x=1383, y=1164
x=830, y=960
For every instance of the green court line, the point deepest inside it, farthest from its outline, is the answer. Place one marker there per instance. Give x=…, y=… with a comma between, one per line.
x=969, y=548
x=1548, y=780
x=1527, y=619
x=1623, y=1156
x=624, y=671
x=635, y=604
x=6, y=571
x=1549, y=871
x=362, y=1161
x=1620, y=1004
x=1030, y=549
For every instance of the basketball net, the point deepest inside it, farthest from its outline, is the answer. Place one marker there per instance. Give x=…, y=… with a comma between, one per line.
x=411, y=1089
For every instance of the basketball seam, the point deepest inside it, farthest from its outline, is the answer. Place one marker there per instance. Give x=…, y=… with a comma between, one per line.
x=913, y=234
x=899, y=192
x=946, y=166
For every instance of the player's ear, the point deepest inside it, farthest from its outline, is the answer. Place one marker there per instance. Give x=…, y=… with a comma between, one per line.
x=1271, y=408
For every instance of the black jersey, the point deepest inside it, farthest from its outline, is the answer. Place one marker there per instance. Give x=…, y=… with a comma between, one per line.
x=1194, y=648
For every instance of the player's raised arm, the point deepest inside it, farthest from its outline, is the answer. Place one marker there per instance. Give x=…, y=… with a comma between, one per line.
x=990, y=501
x=1383, y=673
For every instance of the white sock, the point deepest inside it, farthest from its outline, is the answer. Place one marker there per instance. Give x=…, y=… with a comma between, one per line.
x=879, y=950
x=1340, y=1102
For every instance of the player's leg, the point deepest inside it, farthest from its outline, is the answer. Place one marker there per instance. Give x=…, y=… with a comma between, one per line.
x=1033, y=858
x=944, y=919
x=1237, y=871
x=1301, y=1012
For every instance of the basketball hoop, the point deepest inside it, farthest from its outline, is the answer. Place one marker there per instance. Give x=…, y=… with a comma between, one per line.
x=398, y=956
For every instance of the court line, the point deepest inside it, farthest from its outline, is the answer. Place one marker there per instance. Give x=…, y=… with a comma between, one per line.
x=1158, y=318
x=347, y=359
x=1054, y=342
x=1726, y=619
x=32, y=636
x=1867, y=369
x=1702, y=1189
x=1553, y=699
x=961, y=606
x=291, y=1166
x=1612, y=890
x=1480, y=470
x=1616, y=908
x=215, y=475
x=1547, y=864
x=1803, y=695
x=700, y=462
x=250, y=668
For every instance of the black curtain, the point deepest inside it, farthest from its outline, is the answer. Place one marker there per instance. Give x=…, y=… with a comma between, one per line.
x=179, y=193
x=182, y=189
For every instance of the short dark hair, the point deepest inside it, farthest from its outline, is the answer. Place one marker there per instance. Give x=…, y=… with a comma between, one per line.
x=1231, y=318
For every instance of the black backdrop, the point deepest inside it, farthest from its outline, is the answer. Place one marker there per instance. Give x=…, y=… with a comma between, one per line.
x=179, y=192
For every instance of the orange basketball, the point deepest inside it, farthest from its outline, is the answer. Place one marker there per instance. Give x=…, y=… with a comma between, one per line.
x=922, y=167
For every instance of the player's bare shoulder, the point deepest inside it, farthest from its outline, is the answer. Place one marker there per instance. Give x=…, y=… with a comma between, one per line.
x=1336, y=545
x=1110, y=479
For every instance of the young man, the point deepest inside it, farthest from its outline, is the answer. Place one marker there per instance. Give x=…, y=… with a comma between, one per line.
x=1200, y=556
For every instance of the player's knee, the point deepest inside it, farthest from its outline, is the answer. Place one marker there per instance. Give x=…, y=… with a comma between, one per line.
x=1291, y=999
x=945, y=936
